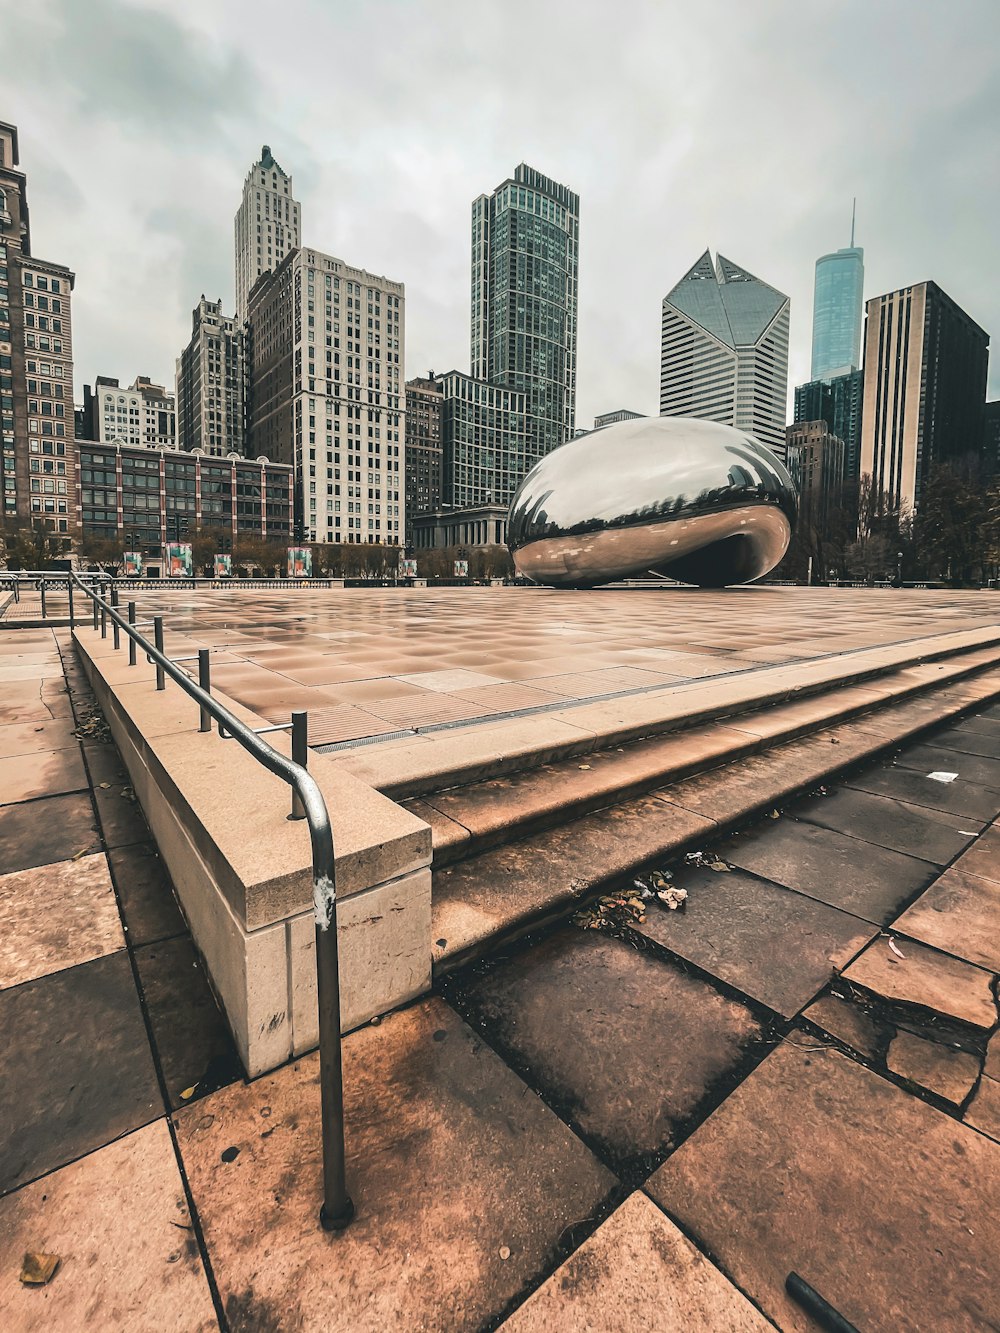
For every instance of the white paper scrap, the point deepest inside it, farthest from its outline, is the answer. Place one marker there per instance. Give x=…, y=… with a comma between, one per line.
x=942, y=777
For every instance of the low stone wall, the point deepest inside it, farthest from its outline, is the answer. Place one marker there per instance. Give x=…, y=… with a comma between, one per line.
x=242, y=868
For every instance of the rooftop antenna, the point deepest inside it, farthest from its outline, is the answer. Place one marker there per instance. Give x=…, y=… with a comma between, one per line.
x=854, y=205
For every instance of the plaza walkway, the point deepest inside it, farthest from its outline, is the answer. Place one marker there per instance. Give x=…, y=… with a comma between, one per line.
x=641, y=1119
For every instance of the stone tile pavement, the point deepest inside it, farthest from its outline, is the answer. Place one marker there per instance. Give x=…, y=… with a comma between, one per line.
x=646, y=1126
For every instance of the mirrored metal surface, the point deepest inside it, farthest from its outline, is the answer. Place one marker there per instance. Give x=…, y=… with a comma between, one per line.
x=677, y=496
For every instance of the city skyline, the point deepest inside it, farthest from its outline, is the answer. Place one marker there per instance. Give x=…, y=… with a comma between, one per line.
x=660, y=173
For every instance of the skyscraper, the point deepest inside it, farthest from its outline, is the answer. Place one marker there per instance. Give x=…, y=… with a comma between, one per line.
x=924, y=387
x=525, y=257
x=724, y=350
x=210, y=383
x=325, y=354
x=836, y=401
x=423, y=465
x=143, y=414
x=36, y=367
x=267, y=226
x=838, y=299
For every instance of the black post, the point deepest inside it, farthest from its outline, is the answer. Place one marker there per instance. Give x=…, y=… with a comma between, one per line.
x=69, y=588
x=41, y=588
x=115, y=632
x=131, y=641
x=158, y=643
x=97, y=610
x=205, y=681
x=300, y=755
x=104, y=620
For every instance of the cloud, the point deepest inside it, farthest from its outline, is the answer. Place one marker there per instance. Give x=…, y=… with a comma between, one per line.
x=748, y=128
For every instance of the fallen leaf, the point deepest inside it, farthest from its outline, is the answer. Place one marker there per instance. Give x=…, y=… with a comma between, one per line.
x=188, y=1092
x=104, y=785
x=583, y=766
x=82, y=852
x=719, y=865
x=38, y=1269
x=895, y=948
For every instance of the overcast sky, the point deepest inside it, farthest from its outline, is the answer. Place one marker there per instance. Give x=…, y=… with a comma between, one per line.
x=744, y=126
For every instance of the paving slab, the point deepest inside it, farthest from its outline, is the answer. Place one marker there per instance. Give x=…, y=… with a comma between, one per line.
x=983, y=857
x=958, y=797
x=927, y=978
x=55, y=916
x=75, y=1067
x=19, y=738
x=25, y=777
x=984, y=1110
x=931, y=835
x=846, y=1021
x=868, y=881
x=195, y=1048
x=145, y=893
x=889, y=1208
x=121, y=817
x=974, y=735
x=628, y=1047
x=39, y=833
x=637, y=1272
x=128, y=1258
x=776, y=946
x=464, y=1184
x=959, y=913
x=941, y=1068
x=977, y=769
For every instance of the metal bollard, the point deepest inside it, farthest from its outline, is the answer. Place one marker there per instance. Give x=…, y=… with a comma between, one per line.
x=104, y=621
x=41, y=588
x=205, y=681
x=115, y=632
x=158, y=642
x=69, y=588
x=97, y=612
x=131, y=641
x=300, y=755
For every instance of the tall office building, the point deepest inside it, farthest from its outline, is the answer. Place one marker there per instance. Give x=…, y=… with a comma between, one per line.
x=210, y=383
x=724, y=350
x=815, y=457
x=836, y=401
x=36, y=366
x=525, y=259
x=144, y=413
x=838, y=300
x=488, y=445
x=267, y=227
x=325, y=356
x=991, y=441
x=924, y=388
x=424, y=462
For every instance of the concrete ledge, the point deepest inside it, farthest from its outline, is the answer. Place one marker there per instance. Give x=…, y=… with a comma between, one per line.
x=242, y=868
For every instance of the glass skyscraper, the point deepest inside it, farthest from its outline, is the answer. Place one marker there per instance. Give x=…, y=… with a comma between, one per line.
x=838, y=306
x=525, y=252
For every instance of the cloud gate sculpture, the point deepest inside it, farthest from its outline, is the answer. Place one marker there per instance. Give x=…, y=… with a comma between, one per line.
x=677, y=496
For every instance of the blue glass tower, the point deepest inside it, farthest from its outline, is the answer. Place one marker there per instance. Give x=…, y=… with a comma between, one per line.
x=838, y=306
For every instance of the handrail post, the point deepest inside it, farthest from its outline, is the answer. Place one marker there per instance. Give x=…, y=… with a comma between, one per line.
x=104, y=620
x=69, y=589
x=158, y=642
x=115, y=632
x=41, y=587
x=205, y=681
x=131, y=641
x=300, y=755
x=97, y=612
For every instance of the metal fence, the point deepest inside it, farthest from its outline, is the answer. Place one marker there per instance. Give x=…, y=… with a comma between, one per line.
x=307, y=803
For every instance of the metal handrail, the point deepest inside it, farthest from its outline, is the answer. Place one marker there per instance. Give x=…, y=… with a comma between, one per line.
x=337, y=1209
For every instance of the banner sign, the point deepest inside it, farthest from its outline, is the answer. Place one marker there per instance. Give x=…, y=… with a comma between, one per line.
x=223, y=566
x=461, y=569
x=133, y=564
x=407, y=569
x=300, y=562
x=179, y=562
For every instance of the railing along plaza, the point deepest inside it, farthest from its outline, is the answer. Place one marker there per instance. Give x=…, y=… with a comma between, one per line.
x=337, y=1209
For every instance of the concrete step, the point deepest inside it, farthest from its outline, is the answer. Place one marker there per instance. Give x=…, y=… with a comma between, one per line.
x=450, y=756
x=485, y=900
x=466, y=820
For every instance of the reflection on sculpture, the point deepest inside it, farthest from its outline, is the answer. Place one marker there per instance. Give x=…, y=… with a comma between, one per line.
x=690, y=499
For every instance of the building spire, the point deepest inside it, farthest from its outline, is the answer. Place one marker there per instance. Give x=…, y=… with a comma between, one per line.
x=854, y=205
